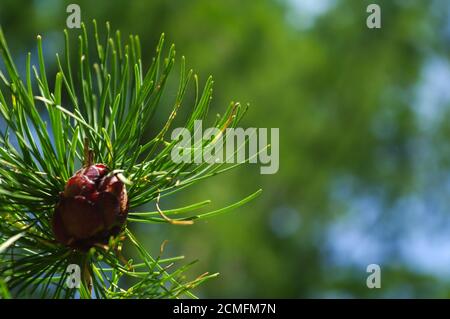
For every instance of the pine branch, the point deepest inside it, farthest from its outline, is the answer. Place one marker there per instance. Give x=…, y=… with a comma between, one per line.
x=109, y=100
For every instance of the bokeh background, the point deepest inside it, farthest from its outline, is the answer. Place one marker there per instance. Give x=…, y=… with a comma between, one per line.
x=364, y=122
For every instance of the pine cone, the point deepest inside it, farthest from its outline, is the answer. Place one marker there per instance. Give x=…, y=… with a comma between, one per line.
x=92, y=208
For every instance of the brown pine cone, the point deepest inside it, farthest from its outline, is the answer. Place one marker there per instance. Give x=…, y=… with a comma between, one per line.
x=92, y=208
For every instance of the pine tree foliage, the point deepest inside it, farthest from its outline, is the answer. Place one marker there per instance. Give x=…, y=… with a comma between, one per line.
x=102, y=98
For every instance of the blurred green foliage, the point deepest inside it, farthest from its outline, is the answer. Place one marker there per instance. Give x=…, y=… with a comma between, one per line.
x=342, y=96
